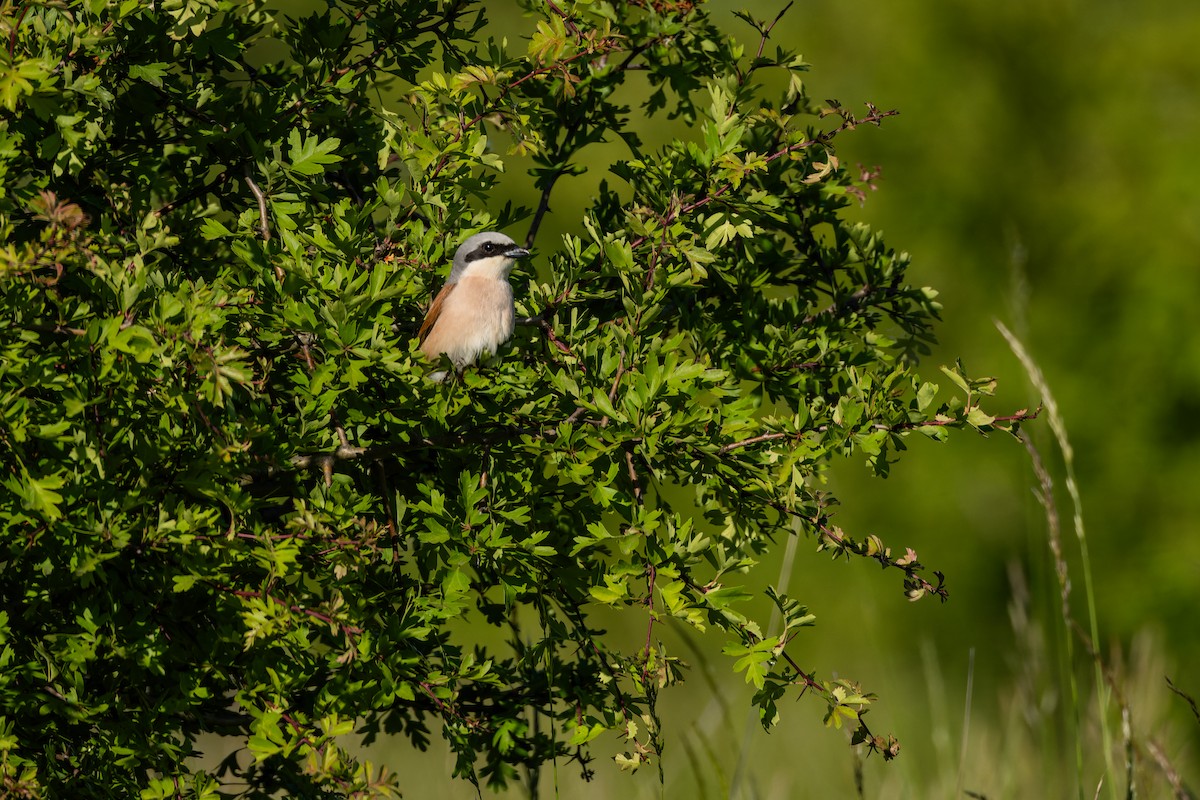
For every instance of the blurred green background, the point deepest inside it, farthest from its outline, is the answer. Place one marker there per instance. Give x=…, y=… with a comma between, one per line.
x=1043, y=172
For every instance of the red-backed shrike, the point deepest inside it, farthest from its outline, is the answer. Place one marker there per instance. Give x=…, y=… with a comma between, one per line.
x=473, y=313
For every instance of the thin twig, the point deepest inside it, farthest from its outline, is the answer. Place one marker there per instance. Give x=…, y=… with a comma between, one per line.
x=1186, y=698
x=651, y=578
x=1019, y=416
x=57, y=329
x=794, y=367
x=543, y=207
x=875, y=117
x=561, y=346
x=187, y=197
x=633, y=476
x=393, y=529
x=317, y=615
x=762, y=437
x=12, y=37
x=264, y=225
x=769, y=28
x=566, y=20
x=841, y=306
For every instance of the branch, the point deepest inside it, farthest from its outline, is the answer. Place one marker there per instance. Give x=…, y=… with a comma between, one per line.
x=12, y=37
x=542, y=208
x=683, y=210
x=602, y=46
x=908, y=563
x=562, y=347
x=633, y=476
x=324, y=461
x=345, y=629
x=60, y=330
x=328, y=460
x=192, y=195
x=799, y=366
x=1019, y=416
x=264, y=225
x=875, y=116
x=852, y=303
x=357, y=545
x=764, y=34
x=888, y=748
x=562, y=156
x=763, y=437
x=651, y=578
x=566, y=20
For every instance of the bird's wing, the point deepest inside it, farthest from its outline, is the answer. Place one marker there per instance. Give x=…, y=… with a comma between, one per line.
x=435, y=311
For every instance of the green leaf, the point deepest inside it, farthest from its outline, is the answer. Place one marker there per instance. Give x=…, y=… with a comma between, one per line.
x=150, y=73
x=309, y=155
x=722, y=597
x=978, y=418
x=211, y=229
x=956, y=376
x=16, y=80
x=40, y=494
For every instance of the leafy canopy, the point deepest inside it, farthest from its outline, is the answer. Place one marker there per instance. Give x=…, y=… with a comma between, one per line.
x=232, y=503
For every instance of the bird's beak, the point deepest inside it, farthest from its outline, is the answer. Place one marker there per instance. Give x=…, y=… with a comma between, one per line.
x=516, y=252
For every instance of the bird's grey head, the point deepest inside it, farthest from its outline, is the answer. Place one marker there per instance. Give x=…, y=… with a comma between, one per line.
x=490, y=253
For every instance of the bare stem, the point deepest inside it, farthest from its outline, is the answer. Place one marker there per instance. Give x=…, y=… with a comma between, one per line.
x=264, y=224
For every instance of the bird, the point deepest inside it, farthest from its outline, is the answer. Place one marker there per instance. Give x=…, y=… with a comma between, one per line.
x=473, y=313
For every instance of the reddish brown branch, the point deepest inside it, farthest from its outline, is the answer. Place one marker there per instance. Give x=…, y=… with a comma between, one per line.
x=794, y=367
x=875, y=116
x=907, y=563
x=762, y=437
x=651, y=578
x=448, y=709
x=346, y=629
x=566, y=20
x=1019, y=416
x=12, y=37
x=561, y=346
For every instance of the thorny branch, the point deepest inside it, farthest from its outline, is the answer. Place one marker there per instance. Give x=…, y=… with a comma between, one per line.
x=601, y=46
x=874, y=117
x=1020, y=416
x=887, y=747
x=345, y=629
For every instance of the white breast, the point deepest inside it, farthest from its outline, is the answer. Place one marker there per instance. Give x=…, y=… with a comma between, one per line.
x=477, y=317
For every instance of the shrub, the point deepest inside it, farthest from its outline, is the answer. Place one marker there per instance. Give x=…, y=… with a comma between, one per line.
x=234, y=504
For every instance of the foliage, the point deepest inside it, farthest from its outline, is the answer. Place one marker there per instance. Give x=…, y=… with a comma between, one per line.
x=233, y=503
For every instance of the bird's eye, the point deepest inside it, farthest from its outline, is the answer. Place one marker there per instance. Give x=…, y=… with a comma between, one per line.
x=489, y=247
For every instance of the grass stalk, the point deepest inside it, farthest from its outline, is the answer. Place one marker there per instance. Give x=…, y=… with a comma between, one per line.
x=1059, y=429
x=785, y=574
x=966, y=726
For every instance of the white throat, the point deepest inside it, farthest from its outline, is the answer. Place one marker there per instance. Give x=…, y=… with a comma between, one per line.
x=494, y=267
